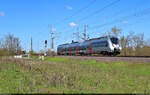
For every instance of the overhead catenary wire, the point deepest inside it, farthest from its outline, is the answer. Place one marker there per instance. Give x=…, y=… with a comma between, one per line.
x=98, y=11
x=102, y=10
x=138, y=14
x=125, y=25
x=121, y=11
x=77, y=12
x=134, y=23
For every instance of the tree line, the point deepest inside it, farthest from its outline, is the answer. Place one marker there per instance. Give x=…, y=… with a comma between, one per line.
x=132, y=44
x=9, y=45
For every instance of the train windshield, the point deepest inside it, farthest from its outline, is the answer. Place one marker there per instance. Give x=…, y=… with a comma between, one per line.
x=114, y=40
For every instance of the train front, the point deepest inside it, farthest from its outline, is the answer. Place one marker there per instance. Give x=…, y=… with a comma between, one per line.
x=116, y=48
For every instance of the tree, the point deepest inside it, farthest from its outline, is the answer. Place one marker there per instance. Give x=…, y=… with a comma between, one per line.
x=12, y=44
x=116, y=31
x=124, y=41
x=148, y=42
x=139, y=43
x=133, y=44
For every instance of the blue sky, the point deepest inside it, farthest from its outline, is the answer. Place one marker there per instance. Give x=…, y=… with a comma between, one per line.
x=30, y=18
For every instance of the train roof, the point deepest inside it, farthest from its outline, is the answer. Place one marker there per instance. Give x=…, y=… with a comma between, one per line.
x=90, y=40
x=96, y=38
x=64, y=44
x=99, y=38
x=103, y=37
x=68, y=43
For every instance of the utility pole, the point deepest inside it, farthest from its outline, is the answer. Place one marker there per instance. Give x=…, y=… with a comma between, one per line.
x=84, y=34
x=78, y=34
x=51, y=39
x=31, y=45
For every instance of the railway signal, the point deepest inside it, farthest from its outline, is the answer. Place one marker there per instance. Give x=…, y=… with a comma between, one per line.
x=45, y=47
x=45, y=43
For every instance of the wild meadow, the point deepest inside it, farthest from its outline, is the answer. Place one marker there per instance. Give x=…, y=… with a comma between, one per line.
x=66, y=75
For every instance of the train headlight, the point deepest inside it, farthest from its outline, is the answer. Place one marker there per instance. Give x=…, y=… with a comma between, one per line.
x=120, y=48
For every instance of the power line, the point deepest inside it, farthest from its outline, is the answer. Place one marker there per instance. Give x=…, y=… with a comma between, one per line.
x=145, y=12
x=137, y=22
x=117, y=13
x=138, y=14
x=78, y=11
x=98, y=11
x=134, y=23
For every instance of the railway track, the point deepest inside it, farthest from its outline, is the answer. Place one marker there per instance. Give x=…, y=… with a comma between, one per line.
x=110, y=56
x=125, y=56
x=132, y=59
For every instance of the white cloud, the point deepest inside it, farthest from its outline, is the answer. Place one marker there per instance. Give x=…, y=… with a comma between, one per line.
x=125, y=22
x=53, y=29
x=2, y=14
x=69, y=7
x=72, y=24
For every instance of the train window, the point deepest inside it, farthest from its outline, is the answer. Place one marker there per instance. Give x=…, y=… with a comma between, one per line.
x=83, y=47
x=95, y=44
x=79, y=47
x=103, y=44
x=98, y=44
x=114, y=40
x=71, y=48
x=67, y=49
x=87, y=46
x=75, y=48
x=106, y=44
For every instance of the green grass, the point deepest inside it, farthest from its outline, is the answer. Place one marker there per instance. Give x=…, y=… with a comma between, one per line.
x=66, y=75
x=11, y=77
x=57, y=59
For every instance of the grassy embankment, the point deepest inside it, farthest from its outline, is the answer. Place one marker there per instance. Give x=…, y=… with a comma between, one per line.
x=64, y=75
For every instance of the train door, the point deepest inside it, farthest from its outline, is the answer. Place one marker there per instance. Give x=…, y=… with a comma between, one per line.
x=69, y=50
x=90, y=48
x=77, y=49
